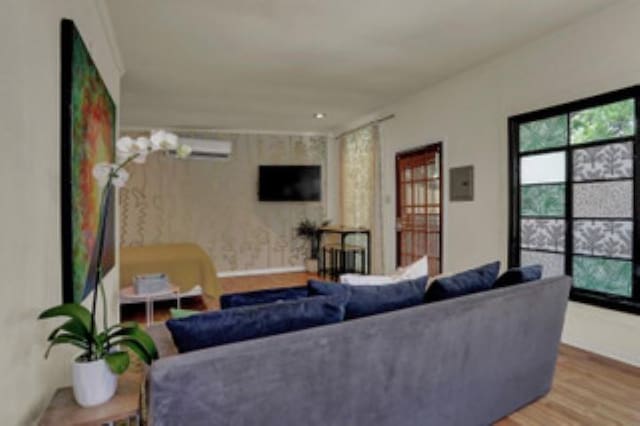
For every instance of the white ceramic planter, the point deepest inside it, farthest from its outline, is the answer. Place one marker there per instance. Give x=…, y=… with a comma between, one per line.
x=93, y=382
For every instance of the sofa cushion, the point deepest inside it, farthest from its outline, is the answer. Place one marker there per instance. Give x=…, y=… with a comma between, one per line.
x=244, y=323
x=467, y=282
x=373, y=299
x=262, y=296
x=519, y=275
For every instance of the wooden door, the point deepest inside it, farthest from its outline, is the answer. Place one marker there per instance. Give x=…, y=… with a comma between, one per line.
x=419, y=206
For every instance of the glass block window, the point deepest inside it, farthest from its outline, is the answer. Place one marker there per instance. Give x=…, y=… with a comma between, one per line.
x=572, y=196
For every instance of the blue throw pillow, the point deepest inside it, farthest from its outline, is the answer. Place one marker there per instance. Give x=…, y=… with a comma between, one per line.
x=519, y=275
x=244, y=323
x=373, y=299
x=262, y=296
x=471, y=281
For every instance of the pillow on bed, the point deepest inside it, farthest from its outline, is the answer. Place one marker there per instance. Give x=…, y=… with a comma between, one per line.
x=367, y=300
x=216, y=328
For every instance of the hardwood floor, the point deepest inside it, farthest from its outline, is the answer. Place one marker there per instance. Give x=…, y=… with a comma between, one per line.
x=588, y=389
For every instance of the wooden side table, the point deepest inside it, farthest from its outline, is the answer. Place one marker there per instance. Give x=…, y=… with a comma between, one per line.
x=123, y=408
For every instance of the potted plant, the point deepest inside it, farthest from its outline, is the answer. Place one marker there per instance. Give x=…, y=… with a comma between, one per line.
x=310, y=231
x=102, y=355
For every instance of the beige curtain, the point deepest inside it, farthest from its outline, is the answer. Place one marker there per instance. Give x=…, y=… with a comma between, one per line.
x=360, y=193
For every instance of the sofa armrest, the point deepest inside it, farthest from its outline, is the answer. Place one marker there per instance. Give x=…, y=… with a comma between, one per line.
x=258, y=297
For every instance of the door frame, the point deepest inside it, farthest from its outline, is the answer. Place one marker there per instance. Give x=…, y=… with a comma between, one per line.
x=405, y=153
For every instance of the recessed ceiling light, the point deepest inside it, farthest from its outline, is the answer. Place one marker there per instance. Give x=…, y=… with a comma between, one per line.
x=319, y=115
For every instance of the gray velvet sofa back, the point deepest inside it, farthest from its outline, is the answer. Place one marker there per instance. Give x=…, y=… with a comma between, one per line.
x=465, y=361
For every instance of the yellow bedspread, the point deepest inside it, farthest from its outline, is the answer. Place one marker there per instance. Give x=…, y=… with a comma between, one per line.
x=187, y=266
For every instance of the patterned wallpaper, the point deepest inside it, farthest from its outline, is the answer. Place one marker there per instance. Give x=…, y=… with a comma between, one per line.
x=215, y=203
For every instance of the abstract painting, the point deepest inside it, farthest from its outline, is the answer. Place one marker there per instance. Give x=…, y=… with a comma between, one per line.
x=88, y=120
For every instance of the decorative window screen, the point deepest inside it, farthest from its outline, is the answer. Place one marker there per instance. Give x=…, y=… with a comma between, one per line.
x=573, y=193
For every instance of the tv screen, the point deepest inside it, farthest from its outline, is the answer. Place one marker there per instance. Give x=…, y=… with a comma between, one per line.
x=289, y=183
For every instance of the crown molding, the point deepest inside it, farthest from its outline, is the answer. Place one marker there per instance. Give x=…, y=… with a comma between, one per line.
x=107, y=26
x=178, y=129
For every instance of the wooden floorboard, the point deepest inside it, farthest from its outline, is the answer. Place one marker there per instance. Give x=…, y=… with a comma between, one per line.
x=588, y=389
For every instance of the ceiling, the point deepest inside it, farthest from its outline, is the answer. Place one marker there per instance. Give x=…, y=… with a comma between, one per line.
x=271, y=64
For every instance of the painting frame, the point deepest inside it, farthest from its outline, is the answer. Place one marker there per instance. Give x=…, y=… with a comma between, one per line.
x=87, y=137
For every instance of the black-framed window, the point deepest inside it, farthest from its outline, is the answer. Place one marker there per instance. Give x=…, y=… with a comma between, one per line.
x=574, y=194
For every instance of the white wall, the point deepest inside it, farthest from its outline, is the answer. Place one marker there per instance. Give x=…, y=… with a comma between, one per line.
x=469, y=112
x=30, y=185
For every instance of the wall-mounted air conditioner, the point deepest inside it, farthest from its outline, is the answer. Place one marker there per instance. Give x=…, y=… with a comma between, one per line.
x=211, y=149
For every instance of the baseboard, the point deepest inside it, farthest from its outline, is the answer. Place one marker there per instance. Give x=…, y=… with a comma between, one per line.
x=266, y=271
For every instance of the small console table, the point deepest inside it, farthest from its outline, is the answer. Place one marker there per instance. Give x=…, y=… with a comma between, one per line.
x=122, y=409
x=344, y=232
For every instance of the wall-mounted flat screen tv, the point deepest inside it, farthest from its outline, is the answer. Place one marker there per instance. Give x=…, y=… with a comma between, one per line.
x=290, y=183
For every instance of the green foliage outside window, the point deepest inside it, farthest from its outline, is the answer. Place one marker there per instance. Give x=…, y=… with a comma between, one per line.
x=603, y=122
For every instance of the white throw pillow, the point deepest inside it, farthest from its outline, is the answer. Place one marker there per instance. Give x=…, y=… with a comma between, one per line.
x=358, y=279
x=417, y=269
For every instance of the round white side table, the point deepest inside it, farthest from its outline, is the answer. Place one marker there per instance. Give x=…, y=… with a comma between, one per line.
x=129, y=295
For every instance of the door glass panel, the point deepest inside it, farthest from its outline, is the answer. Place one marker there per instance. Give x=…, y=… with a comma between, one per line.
x=434, y=192
x=432, y=170
x=419, y=193
x=419, y=172
x=603, y=122
x=408, y=199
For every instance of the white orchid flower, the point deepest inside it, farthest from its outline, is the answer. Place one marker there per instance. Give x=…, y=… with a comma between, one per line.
x=141, y=144
x=157, y=137
x=124, y=145
x=121, y=157
x=183, y=151
x=161, y=140
x=101, y=172
x=120, y=179
x=171, y=141
x=141, y=157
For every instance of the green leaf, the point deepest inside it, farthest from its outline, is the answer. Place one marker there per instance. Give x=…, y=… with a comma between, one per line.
x=66, y=339
x=71, y=310
x=118, y=362
x=135, y=347
x=72, y=326
x=123, y=325
x=140, y=337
